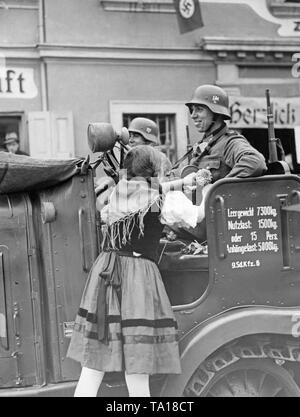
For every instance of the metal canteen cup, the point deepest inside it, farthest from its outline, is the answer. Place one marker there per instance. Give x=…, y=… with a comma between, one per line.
x=102, y=137
x=188, y=169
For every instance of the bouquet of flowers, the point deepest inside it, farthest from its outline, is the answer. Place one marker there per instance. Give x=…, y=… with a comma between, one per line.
x=195, y=248
x=203, y=177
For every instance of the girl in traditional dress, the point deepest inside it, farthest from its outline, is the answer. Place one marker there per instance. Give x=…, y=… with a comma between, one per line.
x=125, y=321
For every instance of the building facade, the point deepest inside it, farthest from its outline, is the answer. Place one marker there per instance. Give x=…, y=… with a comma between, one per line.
x=66, y=63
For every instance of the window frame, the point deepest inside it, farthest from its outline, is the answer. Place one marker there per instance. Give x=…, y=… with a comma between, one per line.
x=20, y=117
x=176, y=108
x=284, y=9
x=138, y=6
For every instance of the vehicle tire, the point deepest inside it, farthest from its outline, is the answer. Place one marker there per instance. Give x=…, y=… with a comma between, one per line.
x=247, y=378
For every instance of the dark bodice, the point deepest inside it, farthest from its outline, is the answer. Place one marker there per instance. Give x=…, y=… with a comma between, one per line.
x=146, y=244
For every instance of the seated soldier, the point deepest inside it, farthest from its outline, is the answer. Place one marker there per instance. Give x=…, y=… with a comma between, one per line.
x=223, y=151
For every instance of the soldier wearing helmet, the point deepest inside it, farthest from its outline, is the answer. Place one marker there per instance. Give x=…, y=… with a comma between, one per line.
x=223, y=151
x=143, y=131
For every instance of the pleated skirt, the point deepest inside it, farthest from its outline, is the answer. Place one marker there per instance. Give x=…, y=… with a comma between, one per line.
x=142, y=330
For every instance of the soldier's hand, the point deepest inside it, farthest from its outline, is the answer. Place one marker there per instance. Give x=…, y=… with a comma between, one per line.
x=189, y=179
x=203, y=177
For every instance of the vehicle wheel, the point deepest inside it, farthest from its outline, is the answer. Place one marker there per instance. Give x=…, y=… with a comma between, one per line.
x=247, y=378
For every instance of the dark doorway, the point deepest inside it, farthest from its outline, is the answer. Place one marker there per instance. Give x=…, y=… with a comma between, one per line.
x=9, y=124
x=259, y=139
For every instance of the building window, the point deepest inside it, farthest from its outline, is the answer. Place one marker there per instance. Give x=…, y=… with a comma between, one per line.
x=19, y=4
x=166, y=131
x=13, y=123
x=285, y=8
x=171, y=116
x=138, y=6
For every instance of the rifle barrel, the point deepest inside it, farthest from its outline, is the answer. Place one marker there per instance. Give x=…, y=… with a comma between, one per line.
x=271, y=131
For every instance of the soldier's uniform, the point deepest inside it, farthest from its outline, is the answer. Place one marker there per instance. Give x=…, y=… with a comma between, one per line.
x=223, y=151
x=227, y=153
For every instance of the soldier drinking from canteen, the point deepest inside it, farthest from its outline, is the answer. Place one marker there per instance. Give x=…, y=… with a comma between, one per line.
x=142, y=131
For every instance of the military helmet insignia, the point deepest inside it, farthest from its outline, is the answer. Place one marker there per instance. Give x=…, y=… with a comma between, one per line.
x=212, y=96
x=147, y=128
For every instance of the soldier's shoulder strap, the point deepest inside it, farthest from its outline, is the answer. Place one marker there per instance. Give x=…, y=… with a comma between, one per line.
x=233, y=134
x=180, y=160
x=230, y=134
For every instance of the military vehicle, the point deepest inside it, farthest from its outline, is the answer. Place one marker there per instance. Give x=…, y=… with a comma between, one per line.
x=237, y=306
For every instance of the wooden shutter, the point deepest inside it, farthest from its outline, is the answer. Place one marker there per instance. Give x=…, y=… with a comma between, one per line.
x=39, y=129
x=51, y=135
x=62, y=135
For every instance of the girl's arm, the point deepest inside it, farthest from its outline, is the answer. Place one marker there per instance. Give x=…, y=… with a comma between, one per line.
x=180, y=184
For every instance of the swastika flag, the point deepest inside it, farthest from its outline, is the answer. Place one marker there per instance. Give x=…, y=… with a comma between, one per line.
x=188, y=15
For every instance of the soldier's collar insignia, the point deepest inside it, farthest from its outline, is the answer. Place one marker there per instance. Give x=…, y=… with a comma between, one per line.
x=198, y=148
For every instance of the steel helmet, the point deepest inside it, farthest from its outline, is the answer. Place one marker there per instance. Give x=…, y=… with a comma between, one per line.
x=214, y=97
x=145, y=127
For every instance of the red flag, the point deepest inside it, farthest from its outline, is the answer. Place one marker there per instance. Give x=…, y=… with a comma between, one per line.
x=188, y=15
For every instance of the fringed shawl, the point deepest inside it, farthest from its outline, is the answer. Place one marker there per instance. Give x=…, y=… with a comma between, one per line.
x=128, y=204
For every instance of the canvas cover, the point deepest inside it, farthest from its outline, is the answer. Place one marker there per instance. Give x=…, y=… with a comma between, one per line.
x=20, y=173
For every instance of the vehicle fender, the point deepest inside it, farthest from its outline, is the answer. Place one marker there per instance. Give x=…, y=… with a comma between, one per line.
x=210, y=335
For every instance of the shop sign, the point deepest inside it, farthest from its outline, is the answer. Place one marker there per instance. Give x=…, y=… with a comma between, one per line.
x=296, y=66
x=286, y=27
x=251, y=112
x=16, y=82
